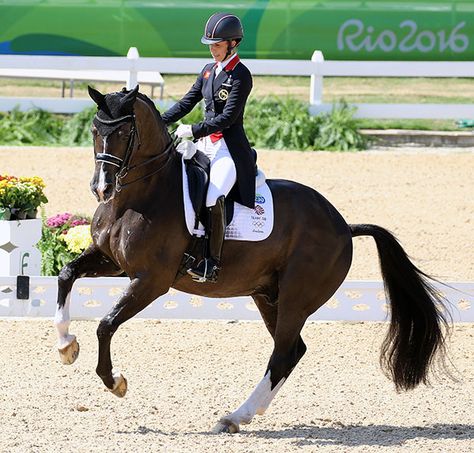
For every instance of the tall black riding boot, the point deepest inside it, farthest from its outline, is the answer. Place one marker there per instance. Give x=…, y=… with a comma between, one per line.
x=208, y=268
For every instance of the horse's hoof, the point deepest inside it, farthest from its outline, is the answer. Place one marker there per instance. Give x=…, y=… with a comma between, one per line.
x=69, y=354
x=120, y=385
x=226, y=426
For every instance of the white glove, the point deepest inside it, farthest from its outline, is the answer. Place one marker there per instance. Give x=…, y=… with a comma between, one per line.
x=184, y=130
x=187, y=148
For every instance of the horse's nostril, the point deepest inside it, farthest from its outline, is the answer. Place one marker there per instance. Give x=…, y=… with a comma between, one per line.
x=108, y=189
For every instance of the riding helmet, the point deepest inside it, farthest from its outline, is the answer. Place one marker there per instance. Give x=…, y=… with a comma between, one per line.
x=222, y=27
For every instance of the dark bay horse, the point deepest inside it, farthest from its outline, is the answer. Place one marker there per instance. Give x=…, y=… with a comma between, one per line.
x=139, y=228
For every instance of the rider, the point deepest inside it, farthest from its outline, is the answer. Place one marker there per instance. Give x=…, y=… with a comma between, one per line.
x=225, y=86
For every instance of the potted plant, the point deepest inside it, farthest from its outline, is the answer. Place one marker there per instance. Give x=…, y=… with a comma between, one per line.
x=64, y=237
x=20, y=199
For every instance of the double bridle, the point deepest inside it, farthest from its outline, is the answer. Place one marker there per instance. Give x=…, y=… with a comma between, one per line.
x=124, y=164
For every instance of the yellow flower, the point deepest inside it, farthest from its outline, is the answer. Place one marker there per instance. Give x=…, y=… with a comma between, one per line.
x=78, y=238
x=35, y=180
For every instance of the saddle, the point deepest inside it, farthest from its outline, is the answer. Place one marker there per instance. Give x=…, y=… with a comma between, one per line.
x=255, y=224
x=198, y=167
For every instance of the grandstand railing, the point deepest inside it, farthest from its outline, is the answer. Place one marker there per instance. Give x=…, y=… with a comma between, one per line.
x=93, y=297
x=317, y=69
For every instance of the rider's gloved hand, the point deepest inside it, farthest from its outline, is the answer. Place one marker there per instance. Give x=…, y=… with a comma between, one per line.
x=184, y=131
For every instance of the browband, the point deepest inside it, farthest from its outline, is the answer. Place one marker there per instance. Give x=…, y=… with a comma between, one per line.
x=112, y=121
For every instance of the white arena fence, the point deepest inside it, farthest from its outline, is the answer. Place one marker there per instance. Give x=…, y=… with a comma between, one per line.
x=92, y=298
x=317, y=68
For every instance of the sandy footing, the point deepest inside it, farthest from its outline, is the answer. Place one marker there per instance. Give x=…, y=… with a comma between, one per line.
x=183, y=376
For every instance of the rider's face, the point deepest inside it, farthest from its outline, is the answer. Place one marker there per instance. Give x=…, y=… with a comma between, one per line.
x=219, y=50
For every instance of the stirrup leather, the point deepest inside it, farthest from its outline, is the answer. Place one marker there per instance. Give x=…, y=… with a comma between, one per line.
x=208, y=268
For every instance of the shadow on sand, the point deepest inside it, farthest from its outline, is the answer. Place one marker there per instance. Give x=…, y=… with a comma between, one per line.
x=372, y=435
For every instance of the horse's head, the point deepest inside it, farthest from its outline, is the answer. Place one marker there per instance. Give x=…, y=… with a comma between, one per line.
x=114, y=135
x=124, y=123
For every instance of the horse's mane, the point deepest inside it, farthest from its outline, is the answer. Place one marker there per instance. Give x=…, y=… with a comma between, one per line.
x=151, y=104
x=153, y=108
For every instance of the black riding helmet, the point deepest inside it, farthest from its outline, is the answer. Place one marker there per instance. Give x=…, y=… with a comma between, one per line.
x=222, y=27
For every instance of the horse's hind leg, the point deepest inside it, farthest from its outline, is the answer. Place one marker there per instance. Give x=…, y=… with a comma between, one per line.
x=285, y=328
x=90, y=263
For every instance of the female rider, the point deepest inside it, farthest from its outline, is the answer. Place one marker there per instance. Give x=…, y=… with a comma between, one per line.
x=225, y=86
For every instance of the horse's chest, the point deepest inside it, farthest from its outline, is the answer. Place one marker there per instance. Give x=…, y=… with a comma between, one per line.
x=118, y=238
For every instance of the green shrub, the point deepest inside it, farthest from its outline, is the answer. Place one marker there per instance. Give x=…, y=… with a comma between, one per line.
x=77, y=129
x=275, y=123
x=280, y=124
x=286, y=124
x=338, y=130
x=34, y=127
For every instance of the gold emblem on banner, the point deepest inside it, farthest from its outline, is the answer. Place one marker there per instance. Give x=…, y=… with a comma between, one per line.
x=223, y=94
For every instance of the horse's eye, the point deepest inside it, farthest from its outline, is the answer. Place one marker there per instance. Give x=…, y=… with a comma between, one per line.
x=123, y=135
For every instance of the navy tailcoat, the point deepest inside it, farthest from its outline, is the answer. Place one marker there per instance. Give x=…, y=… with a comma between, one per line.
x=224, y=97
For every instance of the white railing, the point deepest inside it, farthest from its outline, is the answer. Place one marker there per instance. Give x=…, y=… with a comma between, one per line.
x=92, y=297
x=317, y=69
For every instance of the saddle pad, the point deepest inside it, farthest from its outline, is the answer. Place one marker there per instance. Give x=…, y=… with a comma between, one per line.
x=247, y=224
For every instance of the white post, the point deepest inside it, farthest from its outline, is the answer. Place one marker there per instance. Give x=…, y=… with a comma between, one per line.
x=316, y=88
x=133, y=56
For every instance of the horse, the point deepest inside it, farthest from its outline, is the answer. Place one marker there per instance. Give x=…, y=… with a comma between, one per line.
x=139, y=228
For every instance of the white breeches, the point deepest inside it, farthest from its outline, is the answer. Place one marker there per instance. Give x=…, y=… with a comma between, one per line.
x=223, y=172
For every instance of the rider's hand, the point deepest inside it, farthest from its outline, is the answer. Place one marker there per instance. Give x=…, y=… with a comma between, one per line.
x=184, y=130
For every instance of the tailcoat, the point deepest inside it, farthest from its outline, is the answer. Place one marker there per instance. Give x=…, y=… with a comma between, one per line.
x=224, y=97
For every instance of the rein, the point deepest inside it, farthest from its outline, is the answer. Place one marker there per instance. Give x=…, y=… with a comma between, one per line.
x=124, y=164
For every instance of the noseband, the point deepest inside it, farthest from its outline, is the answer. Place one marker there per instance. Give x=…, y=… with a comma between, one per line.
x=123, y=165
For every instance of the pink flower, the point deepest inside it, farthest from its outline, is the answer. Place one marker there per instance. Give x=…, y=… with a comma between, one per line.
x=58, y=220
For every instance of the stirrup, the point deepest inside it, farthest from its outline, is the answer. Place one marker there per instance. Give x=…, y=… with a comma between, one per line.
x=208, y=274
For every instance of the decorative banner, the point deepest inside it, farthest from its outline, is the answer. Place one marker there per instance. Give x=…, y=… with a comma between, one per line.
x=341, y=29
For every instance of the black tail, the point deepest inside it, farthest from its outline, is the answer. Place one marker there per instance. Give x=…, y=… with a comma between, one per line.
x=416, y=326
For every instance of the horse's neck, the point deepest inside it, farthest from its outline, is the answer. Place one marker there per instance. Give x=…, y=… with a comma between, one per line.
x=152, y=132
x=153, y=186
x=155, y=175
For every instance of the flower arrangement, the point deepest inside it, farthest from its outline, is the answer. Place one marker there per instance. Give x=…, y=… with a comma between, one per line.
x=21, y=197
x=64, y=237
x=78, y=238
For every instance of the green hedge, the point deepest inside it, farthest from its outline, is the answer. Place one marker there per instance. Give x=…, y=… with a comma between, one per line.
x=271, y=122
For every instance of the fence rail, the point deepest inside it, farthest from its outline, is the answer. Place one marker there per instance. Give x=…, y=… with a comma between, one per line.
x=317, y=69
x=92, y=297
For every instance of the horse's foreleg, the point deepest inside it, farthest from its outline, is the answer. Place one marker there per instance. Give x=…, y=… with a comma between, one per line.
x=138, y=295
x=288, y=350
x=92, y=262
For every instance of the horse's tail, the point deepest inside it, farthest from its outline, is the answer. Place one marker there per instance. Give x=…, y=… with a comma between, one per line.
x=416, y=332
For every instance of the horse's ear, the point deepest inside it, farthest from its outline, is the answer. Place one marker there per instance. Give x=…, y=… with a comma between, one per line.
x=128, y=100
x=95, y=95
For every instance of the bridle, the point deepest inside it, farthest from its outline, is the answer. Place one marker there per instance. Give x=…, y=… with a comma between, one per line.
x=124, y=167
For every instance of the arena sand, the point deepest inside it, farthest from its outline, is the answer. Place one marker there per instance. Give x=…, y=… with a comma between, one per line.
x=184, y=375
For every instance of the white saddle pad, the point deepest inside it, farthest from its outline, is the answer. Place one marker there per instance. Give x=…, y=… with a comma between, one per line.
x=247, y=224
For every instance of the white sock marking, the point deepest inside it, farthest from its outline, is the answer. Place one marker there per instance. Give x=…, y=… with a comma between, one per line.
x=257, y=402
x=62, y=320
